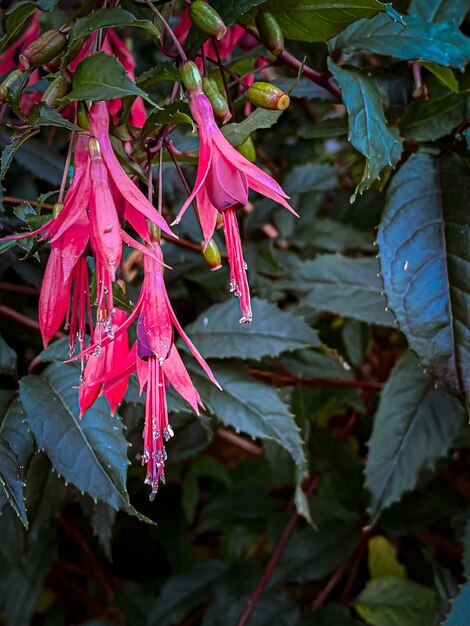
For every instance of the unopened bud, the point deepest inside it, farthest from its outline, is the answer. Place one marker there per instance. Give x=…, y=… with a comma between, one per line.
x=191, y=76
x=206, y=19
x=43, y=49
x=220, y=222
x=82, y=116
x=270, y=32
x=211, y=254
x=8, y=82
x=217, y=100
x=268, y=96
x=58, y=206
x=247, y=149
x=57, y=89
x=154, y=231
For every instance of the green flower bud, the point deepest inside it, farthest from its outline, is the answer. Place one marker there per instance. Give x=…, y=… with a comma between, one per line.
x=211, y=255
x=191, y=77
x=268, y=96
x=270, y=32
x=206, y=19
x=82, y=116
x=247, y=149
x=8, y=82
x=217, y=100
x=57, y=89
x=43, y=49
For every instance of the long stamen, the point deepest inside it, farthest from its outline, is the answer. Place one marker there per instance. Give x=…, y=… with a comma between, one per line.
x=238, y=279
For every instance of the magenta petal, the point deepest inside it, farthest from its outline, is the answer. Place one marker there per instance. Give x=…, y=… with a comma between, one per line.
x=225, y=184
x=90, y=390
x=99, y=124
x=54, y=298
x=73, y=244
x=256, y=185
x=238, y=280
x=155, y=310
x=105, y=227
x=207, y=215
x=179, y=379
x=116, y=353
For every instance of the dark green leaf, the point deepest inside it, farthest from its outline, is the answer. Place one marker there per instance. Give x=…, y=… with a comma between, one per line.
x=415, y=426
x=440, y=10
x=45, y=493
x=311, y=177
x=440, y=42
x=102, y=521
x=316, y=20
x=102, y=77
x=91, y=453
x=14, y=23
x=466, y=550
x=260, y=118
x=162, y=71
x=427, y=120
x=12, y=480
x=460, y=608
x=23, y=583
x=185, y=592
x=342, y=285
x=108, y=18
x=390, y=601
x=424, y=256
x=9, y=151
x=44, y=115
x=8, y=358
x=445, y=75
x=218, y=334
x=14, y=93
x=368, y=130
x=331, y=127
x=41, y=160
x=305, y=88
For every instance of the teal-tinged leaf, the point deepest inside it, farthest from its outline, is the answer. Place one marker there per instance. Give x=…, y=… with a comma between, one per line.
x=15, y=431
x=102, y=521
x=184, y=592
x=8, y=358
x=102, y=77
x=44, y=115
x=427, y=120
x=368, y=130
x=218, y=333
x=390, y=601
x=414, y=427
x=23, y=581
x=260, y=118
x=342, y=285
x=310, y=177
x=45, y=493
x=316, y=20
x=12, y=480
x=91, y=453
x=441, y=42
x=41, y=160
x=107, y=18
x=394, y=15
x=466, y=550
x=424, y=241
x=254, y=408
x=460, y=608
x=440, y=10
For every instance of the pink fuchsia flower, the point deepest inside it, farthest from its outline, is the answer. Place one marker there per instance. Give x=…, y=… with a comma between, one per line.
x=100, y=197
x=223, y=179
x=157, y=362
x=100, y=364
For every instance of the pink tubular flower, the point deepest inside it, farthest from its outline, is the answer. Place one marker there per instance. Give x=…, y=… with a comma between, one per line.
x=222, y=182
x=155, y=358
x=100, y=197
x=102, y=362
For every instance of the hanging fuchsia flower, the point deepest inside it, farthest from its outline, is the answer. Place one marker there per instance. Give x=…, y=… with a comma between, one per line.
x=102, y=362
x=222, y=182
x=100, y=197
x=155, y=358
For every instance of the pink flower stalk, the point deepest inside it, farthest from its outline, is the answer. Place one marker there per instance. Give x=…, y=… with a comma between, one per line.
x=100, y=197
x=102, y=362
x=222, y=182
x=157, y=362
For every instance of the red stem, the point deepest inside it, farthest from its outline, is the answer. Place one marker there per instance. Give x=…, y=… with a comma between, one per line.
x=266, y=575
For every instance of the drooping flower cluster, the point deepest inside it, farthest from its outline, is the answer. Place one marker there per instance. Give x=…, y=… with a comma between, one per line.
x=88, y=232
